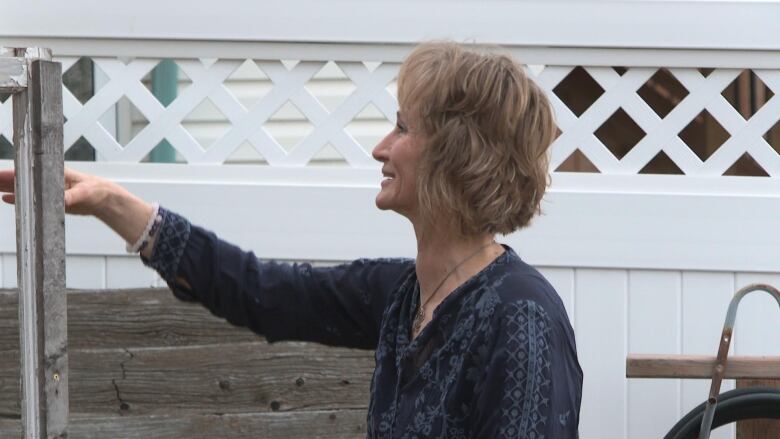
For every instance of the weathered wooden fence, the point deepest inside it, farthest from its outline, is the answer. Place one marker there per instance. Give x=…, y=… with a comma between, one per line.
x=146, y=365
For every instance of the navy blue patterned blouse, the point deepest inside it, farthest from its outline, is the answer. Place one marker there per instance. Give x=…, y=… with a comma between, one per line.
x=498, y=358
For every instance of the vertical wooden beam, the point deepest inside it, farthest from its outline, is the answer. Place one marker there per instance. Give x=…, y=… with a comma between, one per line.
x=38, y=136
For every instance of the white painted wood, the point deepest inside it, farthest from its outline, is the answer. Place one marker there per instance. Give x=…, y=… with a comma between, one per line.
x=116, y=119
x=315, y=51
x=654, y=312
x=6, y=122
x=638, y=23
x=273, y=212
x=705, y=299
x=208, y=123
x=757, y=327
x=87, y=272
x=206, y=98
x=128, y=272
x=601, y=328
x=9, y=270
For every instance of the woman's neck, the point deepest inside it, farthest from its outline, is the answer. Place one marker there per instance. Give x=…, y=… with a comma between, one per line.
x=445, y=260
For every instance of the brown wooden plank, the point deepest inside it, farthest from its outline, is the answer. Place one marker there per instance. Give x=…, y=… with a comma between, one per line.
x=758, y=428
x=347, y=424
x=699, y=366
x=229, y=378
x=128, y=318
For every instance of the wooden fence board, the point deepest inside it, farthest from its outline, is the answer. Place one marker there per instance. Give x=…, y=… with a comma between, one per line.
x=128, y=318
x=346, y=424
x=699, y=366
x=144, y=364
x=228, y=378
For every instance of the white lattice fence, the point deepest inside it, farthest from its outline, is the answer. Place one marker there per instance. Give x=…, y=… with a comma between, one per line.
x=662, y=134
x=372, y=87
x=246, y=124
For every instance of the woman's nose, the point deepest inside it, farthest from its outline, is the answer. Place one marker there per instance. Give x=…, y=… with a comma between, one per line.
x=380, y=150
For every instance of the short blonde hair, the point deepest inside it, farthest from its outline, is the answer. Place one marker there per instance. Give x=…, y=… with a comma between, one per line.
x=486, y=128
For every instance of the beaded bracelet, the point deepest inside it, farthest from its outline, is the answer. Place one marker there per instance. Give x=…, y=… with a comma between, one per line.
x=149, y=231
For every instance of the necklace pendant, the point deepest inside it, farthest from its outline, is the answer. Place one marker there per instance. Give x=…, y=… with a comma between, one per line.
x=418, y=319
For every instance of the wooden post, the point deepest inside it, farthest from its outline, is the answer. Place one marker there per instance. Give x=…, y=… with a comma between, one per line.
x=40, y=238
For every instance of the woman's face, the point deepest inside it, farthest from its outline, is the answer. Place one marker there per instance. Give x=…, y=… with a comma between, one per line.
x=399, y=153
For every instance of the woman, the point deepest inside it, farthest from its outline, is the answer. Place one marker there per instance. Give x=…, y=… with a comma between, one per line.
x=470, y=341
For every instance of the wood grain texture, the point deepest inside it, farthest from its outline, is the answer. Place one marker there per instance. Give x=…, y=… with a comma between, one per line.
x=49, y=186
x=13, y=74
x=144, y=364
x=40, y=228
x=228, y=378
x=129, y=318
x=346, y=424
x=758, y=428
x=699, y=366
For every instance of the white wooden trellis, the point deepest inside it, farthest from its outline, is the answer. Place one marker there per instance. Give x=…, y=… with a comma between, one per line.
x=208, y=82
x=34, y=82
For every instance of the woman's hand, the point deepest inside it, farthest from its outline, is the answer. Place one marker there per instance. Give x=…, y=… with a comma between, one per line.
x=87, y=194
x=84, y=194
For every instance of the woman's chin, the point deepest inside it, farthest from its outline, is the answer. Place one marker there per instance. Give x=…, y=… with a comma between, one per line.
x=381, y=203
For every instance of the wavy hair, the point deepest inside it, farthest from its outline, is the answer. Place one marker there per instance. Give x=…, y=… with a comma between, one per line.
x=486, y=129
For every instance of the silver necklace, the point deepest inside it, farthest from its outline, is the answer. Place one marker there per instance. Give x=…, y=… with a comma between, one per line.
x=418, y=319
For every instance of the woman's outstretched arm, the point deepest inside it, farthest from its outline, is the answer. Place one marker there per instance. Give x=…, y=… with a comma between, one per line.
x=340, y=305
x=122, y=211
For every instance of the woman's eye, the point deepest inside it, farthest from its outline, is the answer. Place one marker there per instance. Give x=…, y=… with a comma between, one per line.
x=400, y=127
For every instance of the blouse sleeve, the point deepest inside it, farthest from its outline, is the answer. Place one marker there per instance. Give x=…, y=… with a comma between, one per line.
x=341, y=305
x=515, y=401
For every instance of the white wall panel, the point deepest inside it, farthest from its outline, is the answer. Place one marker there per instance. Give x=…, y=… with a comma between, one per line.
x=757, y=329
x=128, y=272
x=705, y=299
x=653, y=327
x=9, y=270
x=312, y=214
x=88, y=272
x=600, y=314
x=621, y=23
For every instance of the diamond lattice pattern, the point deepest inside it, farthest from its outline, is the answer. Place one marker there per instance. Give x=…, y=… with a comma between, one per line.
x=622, y=120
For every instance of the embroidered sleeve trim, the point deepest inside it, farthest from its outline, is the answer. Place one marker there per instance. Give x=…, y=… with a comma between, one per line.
x=169, y=244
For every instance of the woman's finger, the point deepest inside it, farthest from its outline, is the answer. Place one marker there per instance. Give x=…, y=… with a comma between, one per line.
x=6, y=180
x=9, y=198
x=72, y=177
x=73, y=196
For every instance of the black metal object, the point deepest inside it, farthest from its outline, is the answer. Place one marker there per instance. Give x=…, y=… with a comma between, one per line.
x=734, y=405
